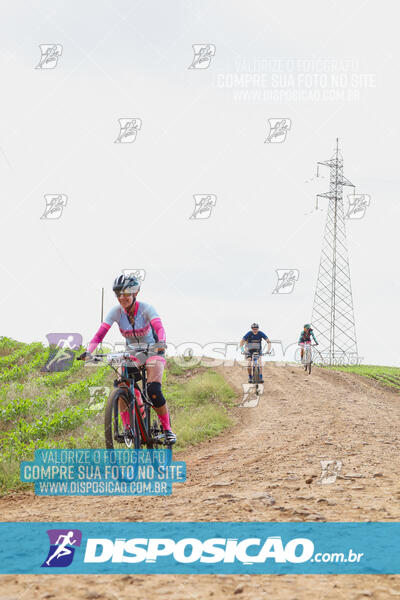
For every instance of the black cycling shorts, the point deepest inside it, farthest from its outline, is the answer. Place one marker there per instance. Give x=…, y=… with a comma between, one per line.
x=134, y=373
x=249, y=353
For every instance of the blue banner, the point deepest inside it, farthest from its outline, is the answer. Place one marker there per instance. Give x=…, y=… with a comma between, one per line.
x=219, y=548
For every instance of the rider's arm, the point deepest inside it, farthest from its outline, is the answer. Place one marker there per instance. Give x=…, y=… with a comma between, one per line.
x=243, y=341
x=98, y=336
x=156, y=323
x=158, y=329
x=102, y=330
x=266, y=338
x=312, y=333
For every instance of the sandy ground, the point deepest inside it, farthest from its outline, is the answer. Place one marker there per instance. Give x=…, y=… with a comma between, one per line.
x=266, y=468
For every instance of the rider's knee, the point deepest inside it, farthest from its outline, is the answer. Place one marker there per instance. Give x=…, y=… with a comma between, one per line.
x=155, y=394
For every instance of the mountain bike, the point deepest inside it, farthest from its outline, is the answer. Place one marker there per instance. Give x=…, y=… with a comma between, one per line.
x=142, y=430
x=307, y=356
x=256, y=366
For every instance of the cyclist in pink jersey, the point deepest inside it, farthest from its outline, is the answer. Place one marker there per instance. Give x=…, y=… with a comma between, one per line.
x=139, y=323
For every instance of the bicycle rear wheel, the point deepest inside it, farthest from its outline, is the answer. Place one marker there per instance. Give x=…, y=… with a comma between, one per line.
x=115, y=435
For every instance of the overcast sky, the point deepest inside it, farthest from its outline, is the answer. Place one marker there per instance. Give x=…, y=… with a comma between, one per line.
x=128, y=204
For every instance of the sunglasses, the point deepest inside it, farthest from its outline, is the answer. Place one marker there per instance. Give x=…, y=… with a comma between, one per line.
x=123, y=294
x=255, y=328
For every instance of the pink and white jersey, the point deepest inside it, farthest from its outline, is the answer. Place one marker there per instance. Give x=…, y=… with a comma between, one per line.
x=147, y=329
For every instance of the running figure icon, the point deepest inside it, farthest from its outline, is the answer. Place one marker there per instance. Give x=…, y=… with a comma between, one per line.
x=62, y=353
x=62, y=549
x=63, y=544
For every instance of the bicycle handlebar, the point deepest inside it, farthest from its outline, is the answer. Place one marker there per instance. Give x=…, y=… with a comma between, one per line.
x=146, y=347
x=262, y=353
x=133, y=350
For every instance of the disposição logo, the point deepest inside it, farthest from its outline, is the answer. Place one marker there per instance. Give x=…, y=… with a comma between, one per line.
x=62, y=547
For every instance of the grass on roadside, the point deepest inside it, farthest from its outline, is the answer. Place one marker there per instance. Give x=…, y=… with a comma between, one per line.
x=389, y=376
x=199, y=407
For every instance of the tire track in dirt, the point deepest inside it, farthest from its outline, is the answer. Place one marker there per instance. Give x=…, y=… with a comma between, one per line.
x=265, y=468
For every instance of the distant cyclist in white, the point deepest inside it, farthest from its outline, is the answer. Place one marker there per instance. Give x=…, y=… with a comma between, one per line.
x=305, y=337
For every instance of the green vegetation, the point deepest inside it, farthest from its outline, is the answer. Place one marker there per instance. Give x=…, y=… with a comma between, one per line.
x=199, y=406
x=7, y=345
x=55, y=410
x=389, y=376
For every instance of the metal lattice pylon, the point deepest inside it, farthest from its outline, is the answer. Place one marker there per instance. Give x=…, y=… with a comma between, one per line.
x=333, y=315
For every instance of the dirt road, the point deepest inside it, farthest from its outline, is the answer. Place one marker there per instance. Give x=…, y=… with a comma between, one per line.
x=266, y=468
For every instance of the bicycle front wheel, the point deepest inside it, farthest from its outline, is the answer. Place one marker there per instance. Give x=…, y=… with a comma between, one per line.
x=308, y=361
x=117, y=435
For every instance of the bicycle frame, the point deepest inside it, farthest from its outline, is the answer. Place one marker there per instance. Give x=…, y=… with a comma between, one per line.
x=307, y=356
x=256, y=364
x=307, y=352
x=146, y=402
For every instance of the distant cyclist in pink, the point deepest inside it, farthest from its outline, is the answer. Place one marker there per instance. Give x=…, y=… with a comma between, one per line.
x=139, y=323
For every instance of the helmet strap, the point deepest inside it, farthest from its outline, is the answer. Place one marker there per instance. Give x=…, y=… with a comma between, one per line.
x=130, y=307
x=131, y=318
x=128, y=311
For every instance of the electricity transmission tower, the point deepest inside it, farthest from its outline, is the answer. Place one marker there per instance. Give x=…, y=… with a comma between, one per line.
x=332, y=315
